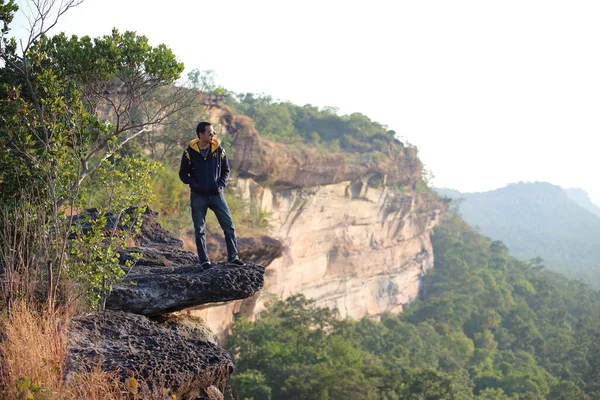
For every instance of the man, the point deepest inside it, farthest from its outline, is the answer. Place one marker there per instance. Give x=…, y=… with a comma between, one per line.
x=205, y=168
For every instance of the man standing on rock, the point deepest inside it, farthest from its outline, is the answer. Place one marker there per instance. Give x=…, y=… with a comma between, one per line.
x=205, y=167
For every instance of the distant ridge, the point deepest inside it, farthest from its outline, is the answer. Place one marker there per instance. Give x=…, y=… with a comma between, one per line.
x=539, y=219
x=582, y=198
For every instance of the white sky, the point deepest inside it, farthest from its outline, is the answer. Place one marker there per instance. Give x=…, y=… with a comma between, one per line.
x=491, y=92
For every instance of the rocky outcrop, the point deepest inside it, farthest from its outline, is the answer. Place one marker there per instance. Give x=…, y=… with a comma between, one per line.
x=158, y=290
x=171, y=355
x=178, y=352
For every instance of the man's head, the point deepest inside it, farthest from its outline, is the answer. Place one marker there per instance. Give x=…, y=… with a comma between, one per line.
x=205, y=132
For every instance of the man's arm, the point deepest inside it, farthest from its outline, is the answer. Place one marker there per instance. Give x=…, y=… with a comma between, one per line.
x=184, y=170
x=225, y=170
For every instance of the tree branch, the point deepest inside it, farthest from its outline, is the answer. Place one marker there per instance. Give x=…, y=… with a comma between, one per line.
x=87, y=171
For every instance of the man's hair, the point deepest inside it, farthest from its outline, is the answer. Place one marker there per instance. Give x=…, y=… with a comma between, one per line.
x=201, y=128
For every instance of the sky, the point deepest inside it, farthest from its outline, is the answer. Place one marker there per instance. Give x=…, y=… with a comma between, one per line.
x=491, y=92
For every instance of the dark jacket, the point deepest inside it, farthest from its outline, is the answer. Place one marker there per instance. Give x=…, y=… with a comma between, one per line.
x=208, y=175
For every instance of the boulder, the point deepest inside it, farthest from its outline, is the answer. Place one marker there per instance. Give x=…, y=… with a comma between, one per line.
x=177, y=352
x=173, y=355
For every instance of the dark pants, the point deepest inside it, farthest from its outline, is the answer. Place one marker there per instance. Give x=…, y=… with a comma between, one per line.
x=200, y=204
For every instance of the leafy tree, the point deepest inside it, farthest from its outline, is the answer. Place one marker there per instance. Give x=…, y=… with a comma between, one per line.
x=7, y=10
x=99, y=235
x=67, y=106
x=251, y=385
x=566, y=391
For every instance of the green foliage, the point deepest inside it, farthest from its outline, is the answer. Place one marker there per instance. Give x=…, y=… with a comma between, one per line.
x=26, y=388
x=252, y=386
x=68, y=106
x=7, y=11
x=487, y=326
x=95, y=257
x=284, y=121
x=302, y=352
x=51, y=130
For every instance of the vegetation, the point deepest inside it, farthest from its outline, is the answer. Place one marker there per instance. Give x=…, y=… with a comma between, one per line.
x=72, y=111
x=287, y=122
x=68, y=106
x=83, y=123
x=98, y=122
x=538, y=220
x=33, y=351
x=488, y=326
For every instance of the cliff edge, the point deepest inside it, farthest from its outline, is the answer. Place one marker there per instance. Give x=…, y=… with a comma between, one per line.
x=356, y=236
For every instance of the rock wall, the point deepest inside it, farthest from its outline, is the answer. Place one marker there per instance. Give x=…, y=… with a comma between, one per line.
x=348, y=246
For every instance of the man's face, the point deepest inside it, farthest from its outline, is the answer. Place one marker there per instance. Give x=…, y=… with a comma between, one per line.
x=207, y=136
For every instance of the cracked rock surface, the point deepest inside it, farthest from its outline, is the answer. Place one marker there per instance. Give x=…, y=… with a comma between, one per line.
x=153, y=291
x=119, y=341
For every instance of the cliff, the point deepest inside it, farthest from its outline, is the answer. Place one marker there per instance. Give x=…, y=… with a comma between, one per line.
x=356, y=236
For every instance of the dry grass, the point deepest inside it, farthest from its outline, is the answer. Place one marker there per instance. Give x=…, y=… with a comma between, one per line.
x=95, y=385
x=32, y=361
x=33, y=349
x=33, y=354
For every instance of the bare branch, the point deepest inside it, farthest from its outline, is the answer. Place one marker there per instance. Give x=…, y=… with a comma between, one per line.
x=43, y=13
x=87, y=171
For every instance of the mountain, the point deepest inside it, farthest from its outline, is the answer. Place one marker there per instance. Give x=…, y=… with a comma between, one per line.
x=582, y=198
x=538, y=219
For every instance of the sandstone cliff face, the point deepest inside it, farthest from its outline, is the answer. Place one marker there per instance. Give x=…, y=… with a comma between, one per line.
x=347, y=245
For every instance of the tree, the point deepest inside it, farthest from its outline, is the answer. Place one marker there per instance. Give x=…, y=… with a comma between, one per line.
x=252, y=386
x=566, y=391
x=67, y=105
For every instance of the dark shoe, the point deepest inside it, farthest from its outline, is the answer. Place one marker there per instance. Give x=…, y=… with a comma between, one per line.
x=237, y=262
x=206, y=265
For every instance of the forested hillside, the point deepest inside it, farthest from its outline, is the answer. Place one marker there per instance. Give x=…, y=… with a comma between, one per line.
x=287, y=122
x=488, y=326
x=538, y=220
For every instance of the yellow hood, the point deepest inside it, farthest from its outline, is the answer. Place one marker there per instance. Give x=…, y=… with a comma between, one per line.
x=213, y=145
